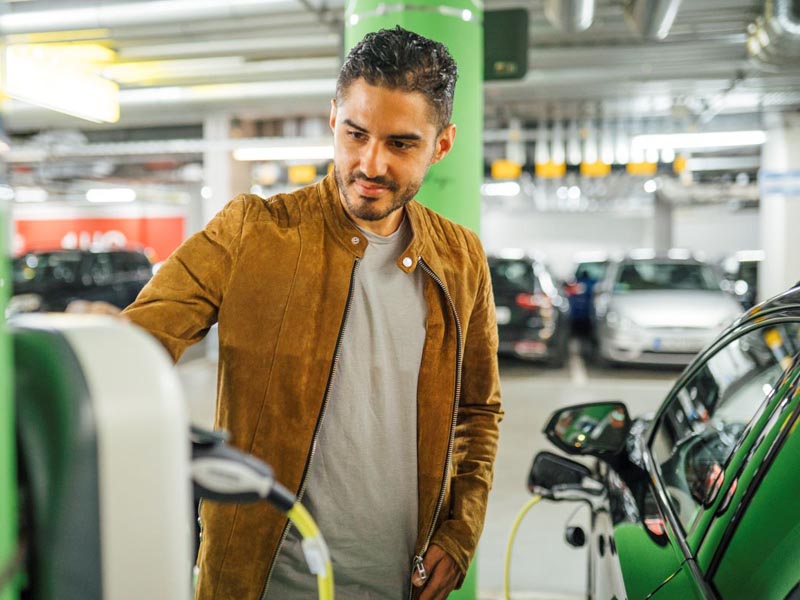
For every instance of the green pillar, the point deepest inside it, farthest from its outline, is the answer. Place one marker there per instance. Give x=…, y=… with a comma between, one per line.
x=452, y=187
x=8, y=465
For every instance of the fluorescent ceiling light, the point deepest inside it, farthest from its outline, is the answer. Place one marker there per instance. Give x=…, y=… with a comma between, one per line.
x=62, y=78
x=30, y=194
x=284, y=153
x=110, y=195
x=504, y=188
x=713, y=139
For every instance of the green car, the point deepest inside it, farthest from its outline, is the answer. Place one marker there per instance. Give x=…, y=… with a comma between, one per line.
x=703, y=500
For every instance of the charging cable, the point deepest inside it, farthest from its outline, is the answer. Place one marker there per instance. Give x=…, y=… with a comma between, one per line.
x=224, y=474
x=507, y=570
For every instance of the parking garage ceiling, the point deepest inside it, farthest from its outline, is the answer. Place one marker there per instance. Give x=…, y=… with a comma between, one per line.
x=281, y=58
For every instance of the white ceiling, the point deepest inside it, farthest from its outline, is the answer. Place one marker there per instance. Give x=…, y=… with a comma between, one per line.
x=281, y=58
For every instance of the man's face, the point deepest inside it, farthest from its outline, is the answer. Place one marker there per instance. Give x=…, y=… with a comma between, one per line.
x=385, y=140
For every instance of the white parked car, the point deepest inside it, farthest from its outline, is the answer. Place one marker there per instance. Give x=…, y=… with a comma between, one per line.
x=660, y=309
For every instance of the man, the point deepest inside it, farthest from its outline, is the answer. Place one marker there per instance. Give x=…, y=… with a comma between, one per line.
x=357, y=349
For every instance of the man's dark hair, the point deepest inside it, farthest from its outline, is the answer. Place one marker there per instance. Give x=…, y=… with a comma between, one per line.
x=403, y=60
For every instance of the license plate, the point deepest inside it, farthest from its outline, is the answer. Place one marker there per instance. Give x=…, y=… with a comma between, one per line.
x=503, y=315
x=676, y=345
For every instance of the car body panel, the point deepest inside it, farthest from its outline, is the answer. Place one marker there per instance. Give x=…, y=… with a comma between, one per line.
x=533, y=333
x=642, y=321
x=59, y=277
x=681, y=586
x=644, y=564
x=587, y=275
x=766, y=525
x=744, y=541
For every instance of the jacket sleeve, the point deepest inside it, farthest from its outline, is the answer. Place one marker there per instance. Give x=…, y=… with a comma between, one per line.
x=477, y=429
x=181, y=301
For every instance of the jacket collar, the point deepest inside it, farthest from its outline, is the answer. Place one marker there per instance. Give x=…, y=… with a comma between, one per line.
x=351, y=237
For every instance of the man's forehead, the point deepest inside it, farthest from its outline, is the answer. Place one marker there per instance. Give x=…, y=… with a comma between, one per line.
x=409, y=109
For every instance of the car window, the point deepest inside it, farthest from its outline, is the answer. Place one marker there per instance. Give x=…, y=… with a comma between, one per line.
x=591, y=270
x=101, y=272
x=512, y=276
x=56, y=268
x=129, y=262
x=707, y=415
x=653, y=275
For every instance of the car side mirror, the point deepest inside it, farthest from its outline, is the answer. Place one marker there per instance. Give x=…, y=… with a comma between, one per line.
x=597, y=429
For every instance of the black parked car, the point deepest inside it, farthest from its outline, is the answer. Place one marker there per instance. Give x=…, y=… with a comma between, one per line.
x=532, y=315
x=49, y=281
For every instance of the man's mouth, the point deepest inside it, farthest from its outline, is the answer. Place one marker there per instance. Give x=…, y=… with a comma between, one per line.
x=370, y=189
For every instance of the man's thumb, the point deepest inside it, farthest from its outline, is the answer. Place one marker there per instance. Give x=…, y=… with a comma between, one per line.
x=420, y=575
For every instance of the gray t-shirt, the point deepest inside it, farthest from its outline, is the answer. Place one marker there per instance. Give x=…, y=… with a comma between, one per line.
x=362, y=484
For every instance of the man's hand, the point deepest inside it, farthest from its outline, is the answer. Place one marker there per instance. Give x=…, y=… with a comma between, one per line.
x=97, y=307
x=443, y=574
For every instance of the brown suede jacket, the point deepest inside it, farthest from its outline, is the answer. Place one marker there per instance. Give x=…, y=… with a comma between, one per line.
x=276, y=275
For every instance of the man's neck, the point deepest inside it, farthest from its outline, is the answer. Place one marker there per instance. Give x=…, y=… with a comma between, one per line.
x=384, y=227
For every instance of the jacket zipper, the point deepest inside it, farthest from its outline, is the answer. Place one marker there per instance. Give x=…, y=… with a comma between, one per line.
x=334, y=365
x=418, y=559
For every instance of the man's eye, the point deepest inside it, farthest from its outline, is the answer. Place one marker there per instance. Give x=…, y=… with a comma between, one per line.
x=399, y=145
x=356, y=135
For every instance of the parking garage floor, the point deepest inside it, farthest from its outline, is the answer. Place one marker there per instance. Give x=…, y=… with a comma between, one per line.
x=543, y=565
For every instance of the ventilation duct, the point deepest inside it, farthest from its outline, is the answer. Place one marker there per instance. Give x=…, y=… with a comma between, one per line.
x=774, y=38
x=570, y=15
x=652, y=19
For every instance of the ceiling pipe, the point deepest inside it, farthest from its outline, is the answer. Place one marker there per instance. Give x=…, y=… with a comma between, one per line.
x=570, y=15
x=651, y=19
x=774, y=37
x=156, y=12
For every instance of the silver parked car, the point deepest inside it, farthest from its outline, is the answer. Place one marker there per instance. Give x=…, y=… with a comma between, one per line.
x=659, y=309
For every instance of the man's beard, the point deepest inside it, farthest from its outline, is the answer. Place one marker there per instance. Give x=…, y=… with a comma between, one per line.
x=366, y=209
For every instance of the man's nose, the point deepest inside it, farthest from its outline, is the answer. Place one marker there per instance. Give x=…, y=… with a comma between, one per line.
x=373, y=160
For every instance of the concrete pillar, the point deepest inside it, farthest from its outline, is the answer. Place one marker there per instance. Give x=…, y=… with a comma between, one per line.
x=452, y=186
x=224, y=177
x=662, y=223
x=779, y=212
x=8, y=459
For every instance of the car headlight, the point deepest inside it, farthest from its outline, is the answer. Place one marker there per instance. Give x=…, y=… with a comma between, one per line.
x=620, y=322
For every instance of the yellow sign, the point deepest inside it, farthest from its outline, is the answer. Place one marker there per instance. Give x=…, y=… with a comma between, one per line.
x=642, y=168
x=506, y=169
x=679, y=164
x=550, y=170
x=64, y=78
x=302, y=174
x=595, y=169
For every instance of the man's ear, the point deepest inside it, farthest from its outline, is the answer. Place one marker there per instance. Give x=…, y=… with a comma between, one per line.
x=332, y=120
x=444, y=142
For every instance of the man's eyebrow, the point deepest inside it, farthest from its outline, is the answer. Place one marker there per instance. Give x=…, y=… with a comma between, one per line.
x=415, y=137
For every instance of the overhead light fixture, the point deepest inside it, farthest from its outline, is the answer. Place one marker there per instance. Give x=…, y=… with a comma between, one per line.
x=64, y=78
x=284, y=153
x=502, y=188
x=711, y=139
x=110, y=195
x=30, y=194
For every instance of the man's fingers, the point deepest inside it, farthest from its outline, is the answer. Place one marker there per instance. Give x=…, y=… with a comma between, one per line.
x=428, y=565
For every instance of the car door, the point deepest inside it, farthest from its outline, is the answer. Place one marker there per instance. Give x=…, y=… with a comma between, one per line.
x=707, y=428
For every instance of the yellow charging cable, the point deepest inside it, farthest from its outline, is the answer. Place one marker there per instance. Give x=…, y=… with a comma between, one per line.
x=507, y=570
x=315, y=549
